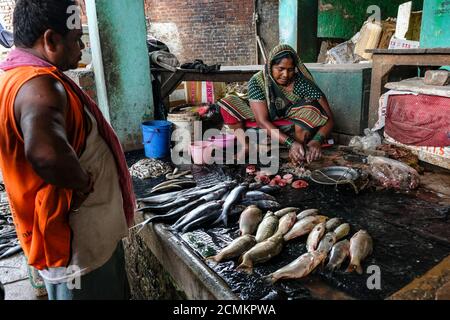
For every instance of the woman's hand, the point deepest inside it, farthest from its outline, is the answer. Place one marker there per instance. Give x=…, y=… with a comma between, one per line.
x=314, y=151
x=297, y=153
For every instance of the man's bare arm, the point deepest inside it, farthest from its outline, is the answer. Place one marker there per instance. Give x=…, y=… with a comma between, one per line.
x=40, y=109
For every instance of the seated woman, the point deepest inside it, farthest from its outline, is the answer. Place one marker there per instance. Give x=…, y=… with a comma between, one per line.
x=283, y=90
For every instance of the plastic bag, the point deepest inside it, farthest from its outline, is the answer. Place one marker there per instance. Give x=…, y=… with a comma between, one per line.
x=369, y=142
x=390, y=173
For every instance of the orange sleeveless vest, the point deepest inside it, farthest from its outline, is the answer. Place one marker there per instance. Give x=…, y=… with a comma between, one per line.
x=40, y=210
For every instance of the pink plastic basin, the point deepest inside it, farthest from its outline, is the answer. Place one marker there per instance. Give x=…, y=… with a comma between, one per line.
x=223, y=140
x=201, y=151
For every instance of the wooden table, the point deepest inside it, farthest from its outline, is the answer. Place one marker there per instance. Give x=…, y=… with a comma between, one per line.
x=384, y=60
x=170, y=80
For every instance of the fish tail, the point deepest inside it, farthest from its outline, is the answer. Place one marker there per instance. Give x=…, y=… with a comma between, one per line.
x=359, y=269
x=269, y=279
x=216, y=258
x=246, y=267
x=354, y=266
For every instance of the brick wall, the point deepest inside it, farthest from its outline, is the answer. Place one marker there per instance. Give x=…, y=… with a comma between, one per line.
x=216, y=31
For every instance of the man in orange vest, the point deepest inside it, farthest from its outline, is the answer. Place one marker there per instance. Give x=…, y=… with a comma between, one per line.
x=63, y=166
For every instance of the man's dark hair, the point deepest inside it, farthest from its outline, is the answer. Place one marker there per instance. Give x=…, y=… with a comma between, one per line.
x=33, y=17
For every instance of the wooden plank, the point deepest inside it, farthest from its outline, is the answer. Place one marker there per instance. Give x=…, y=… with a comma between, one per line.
x=410, y=51
x=427, y=286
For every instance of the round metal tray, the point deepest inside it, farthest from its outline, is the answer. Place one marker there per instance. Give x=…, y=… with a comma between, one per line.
x=334, y=175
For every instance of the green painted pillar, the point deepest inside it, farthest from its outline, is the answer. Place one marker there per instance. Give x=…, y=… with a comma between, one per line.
x=298, y=27
x=121, y=64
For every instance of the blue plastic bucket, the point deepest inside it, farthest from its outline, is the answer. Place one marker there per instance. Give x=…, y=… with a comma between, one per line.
x=156, y=135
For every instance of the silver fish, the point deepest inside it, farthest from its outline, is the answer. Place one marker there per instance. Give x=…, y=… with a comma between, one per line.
x=257, y=195
x=196, y=213
x=299, y=268
x=267, y=227
x=263, y=204
x=270, y=189
x=327, y=242
x=339, y=253
x=361, y=246
x=307, y=213
x=315, y=236
x=234, y=196
x=236, y=248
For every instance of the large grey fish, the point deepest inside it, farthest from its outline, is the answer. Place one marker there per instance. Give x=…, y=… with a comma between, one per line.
x=269, y=189
x=257, y=195
x=192, y=192
x=315, y=236
x=339, y=253
x=255, y=186
x=299, y=268
x=327, y=242
x=197, y=213
x=333, y=223
x=236, y=248
x=161, y=198
x=267, y=227
x=284, y=211
x=342, y=231
x=235, y=195
x=286, y=222
x=206, y=219
x=303, y=226
x=263, y=204
x=261, y=252
x=361, y=246
x=307, y=213
x=249, y=220
x=179, y=212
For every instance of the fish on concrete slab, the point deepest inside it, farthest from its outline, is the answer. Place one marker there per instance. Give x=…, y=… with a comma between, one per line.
x=267, y=227
x=327, y=242
x=299, y=268
x=235, y=196
x=263, y=204
x=258, y=195
x=284, y=211
x=286, y=222
x=261, y=252
x=339, y=253
x=304, y=226
x=236, y=248
x=197, y=213
x=361, y=246
x=342, y=231
x=315, y=236
x=333, y=223
x=249, y=220
x=307, y=213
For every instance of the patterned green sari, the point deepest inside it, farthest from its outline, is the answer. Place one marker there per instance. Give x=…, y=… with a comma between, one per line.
x=300, y=106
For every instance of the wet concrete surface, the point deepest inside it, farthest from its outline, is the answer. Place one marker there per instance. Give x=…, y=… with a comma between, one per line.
x=411, y=235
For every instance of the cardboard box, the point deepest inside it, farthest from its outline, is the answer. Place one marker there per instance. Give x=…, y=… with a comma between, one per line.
x=396, y=43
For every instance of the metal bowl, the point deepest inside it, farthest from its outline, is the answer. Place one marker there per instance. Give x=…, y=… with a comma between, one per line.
x=334, y=175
